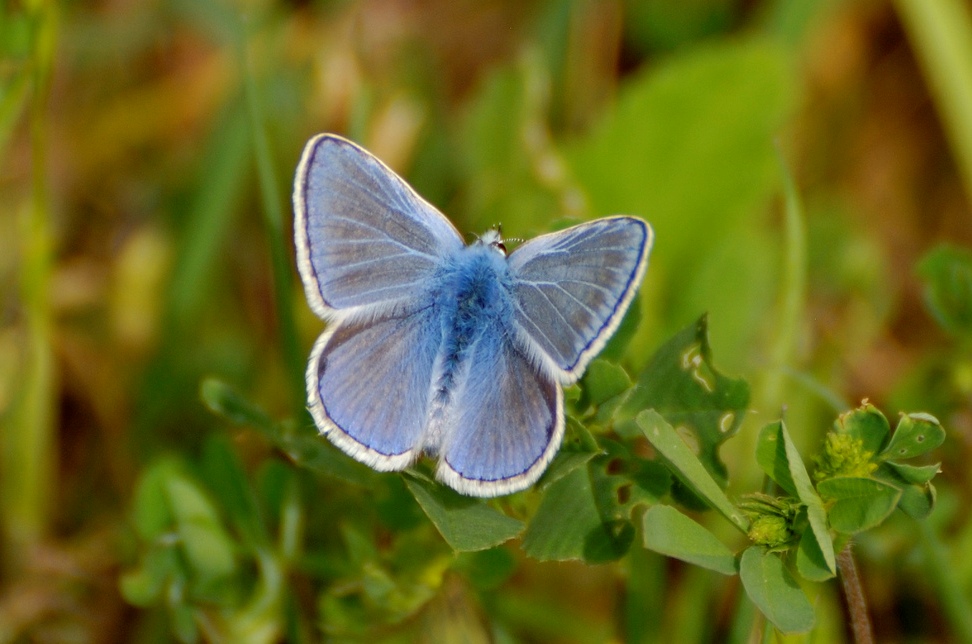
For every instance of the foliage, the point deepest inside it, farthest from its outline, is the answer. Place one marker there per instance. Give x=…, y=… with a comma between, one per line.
x=161, y=480
x=590, y=505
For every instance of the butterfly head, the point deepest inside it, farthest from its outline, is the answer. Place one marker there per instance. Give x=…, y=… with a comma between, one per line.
x=493, y=238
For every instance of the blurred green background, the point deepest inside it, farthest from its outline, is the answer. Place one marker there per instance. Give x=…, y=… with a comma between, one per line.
x=147, y=151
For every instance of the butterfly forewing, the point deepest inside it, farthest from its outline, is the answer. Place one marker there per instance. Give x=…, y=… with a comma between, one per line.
x=365, y=239
x=571, y=289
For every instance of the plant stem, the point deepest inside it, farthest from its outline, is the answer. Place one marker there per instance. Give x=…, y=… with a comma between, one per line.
x=29, y=454
x=854, y=595
x=941, y=34
x=274, y=220
x=792, y=291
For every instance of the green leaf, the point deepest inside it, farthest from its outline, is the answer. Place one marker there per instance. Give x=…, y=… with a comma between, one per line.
x=150, y=508
x=677, y=454
x=316, y=454
x=563, y=464
x=620, y=480
x=651, y=481
x=682, y=385
x=805, y=491
x=918, y=474
x=771, y=457
x=867, y=424
x=603, y=381
x=382, y=584
x=226, y=478
x=208, y=548
x=464, y=522
x=774, y=591
x=566, y=514
x=568, y=524
x=669, y=532
x=917, y=501
x=145, y=585
x=917, y=492
x=788, y=466
x=307, y=450
x=810, y=560
x=578, y=448
x=599, y=499
x=915, y=435
x=858, y=503
x=610, y=541
x=224, y=401
x=947, y=274
x=397, y=507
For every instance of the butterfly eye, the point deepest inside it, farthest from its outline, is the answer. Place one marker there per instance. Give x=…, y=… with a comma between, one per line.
x=498, y=244
x=494, y=239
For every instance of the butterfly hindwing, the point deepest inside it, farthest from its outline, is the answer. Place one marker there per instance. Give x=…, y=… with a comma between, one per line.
x=572, y=287
x=365, y=240
x=369, y=386
x=507, y=422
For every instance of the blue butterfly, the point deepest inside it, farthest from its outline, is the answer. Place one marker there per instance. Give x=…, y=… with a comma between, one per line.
x=438, y=347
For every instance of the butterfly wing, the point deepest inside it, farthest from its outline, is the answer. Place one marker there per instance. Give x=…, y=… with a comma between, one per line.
x=572, y=287
x=369, y=386
x=506, y=420
x=365, y=240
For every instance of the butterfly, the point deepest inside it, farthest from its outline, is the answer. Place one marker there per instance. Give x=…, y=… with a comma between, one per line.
x=438, y=347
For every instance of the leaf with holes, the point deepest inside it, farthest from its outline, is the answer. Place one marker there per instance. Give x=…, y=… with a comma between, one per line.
x=682, y=385
x=568, y=524
x=586, y=514
x=916, y=434
x=684, y=463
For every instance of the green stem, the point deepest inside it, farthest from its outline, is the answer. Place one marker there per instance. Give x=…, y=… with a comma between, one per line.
x=792, y=291
x=291, y=523
x=29, y=452
x=950, y=592
x=274, y=220
x=941, y=34
x=12, y=104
